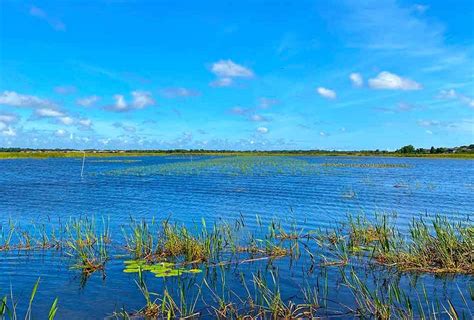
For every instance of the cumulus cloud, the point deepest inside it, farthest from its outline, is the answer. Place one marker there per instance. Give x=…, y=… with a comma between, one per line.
x=14, y=99
x=179, y=92
x=356, y=79
x=326, y=93
x=262, y=130
x=391, y=81
x=454, y=95
x=55, y=23
x=88, y=101
x=227, y=70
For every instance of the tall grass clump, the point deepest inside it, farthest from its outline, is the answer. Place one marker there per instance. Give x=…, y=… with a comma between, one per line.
x=437, y=247
x=87, y=244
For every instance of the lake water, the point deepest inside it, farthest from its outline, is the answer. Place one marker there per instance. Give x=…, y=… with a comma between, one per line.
x=312, y=192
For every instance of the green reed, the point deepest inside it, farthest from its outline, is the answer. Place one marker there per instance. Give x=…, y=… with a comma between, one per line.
x=8, y=306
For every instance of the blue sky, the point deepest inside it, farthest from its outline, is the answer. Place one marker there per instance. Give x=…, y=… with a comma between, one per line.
x=236, y=74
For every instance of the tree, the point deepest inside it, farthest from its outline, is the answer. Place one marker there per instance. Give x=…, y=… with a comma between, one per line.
x=407, y=149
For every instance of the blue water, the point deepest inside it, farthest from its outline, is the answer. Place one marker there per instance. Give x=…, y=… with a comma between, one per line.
x=52, y=190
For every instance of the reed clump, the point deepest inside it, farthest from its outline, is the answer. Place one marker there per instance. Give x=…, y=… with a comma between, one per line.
x=87, y=244
x=437, y=247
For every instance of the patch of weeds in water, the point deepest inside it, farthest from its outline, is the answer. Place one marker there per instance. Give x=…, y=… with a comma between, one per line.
x=241, y=165
x=88, y=244
x=437, y=247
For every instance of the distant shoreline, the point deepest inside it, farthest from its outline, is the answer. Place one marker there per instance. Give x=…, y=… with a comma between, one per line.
x=107, y=154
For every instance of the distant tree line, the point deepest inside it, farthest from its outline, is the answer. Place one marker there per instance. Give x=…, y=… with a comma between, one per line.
x=406, y=150
x=409, y=149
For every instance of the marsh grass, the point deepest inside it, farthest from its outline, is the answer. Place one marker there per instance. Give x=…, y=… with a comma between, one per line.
x=177, y=254
x=88, y=244
x=9, y=305
x=436, y=247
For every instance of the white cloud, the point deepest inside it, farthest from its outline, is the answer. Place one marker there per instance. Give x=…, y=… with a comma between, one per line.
x=48, y=112
x=85, y=123
x=230, y=69
x=223, y=82
x=57, y=24
x=452, y=94
x=326, y=93
x=226, y=71
x=120, y=103
x=356, y=79
x=429, y=131
x=391, y=81
x=262, y=130
x=9, y=132
x=323, y=134
x=66, y=120
x=141, y=99
x=14, y=99
x=87, y=101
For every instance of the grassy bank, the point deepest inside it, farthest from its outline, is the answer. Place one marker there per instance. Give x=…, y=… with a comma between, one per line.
x=108, y=154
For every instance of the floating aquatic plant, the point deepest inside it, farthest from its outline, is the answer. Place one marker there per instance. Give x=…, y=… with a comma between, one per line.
x=161, y=269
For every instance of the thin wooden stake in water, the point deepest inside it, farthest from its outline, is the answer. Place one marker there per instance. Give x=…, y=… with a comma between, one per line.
x=83, y=160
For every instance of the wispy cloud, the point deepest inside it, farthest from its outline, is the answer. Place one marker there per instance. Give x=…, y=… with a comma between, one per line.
x=249, y=114
x=326, y=93
x=88, y=101
x=391, y=81
x=65, y=90
x=14, y=99
x=125, y=127
x=454, y=95
x=142, y=99
x=356, y=79
x=6, y=122
x=179, y=92
x=266, y=103
x=54, y=22
x=222, y=82
x=227, y=70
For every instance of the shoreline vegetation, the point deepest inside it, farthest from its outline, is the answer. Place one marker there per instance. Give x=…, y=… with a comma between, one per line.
x=200, y=257
x=462, y=152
